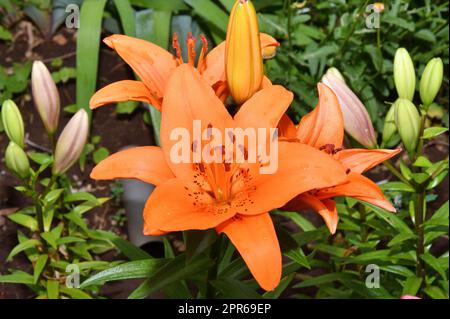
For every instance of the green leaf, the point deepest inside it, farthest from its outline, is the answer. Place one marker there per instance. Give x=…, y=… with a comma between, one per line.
x=80, y=196
x=391, y=218
x=162, y=5
x=439, y=216
x=40, y=158
x=173, y=271
x=211, y=13
x=397, y=186
x=74, y=293
x=299, y=257
x=197, y=241
x=5, y=34
x=422, y=161
x=320, y=280
x=433, y=132
x=228, y=4
x=371, y=256
x=52, y=289
x=100, y=154
x=127, y=107
x=400, y=238
x=282, y=286
x=50, y=238
x=433, y=262
x=126, y=14
x=426, y=35
x=232, y=288
x=39, y=267
x=30, y=243
x=88, y=46
x=411, y=285
x=18, y=278
x=130, y=270
x=53, y=196
x=128, y=249
x=435, y=292
x=24, y=220
x=297, y=218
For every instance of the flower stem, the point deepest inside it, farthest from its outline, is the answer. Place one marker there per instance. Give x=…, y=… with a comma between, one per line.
x=395, y=171
x=420, y=248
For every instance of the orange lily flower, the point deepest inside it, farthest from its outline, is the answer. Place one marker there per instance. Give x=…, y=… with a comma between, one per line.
x=323, y=128
x=232, y=197
x=154, y=66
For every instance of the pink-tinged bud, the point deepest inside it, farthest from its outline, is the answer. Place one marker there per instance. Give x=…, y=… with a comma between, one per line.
x=409, y=297
x=357, y=121
x=45, y=96
x=71, y=142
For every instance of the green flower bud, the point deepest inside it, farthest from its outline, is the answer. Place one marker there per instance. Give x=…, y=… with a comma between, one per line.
x=17, y=161
x=389, y=128
x=71, y=142
x=13, y=123
x=431, y=80
x=407, y=119
x=404, y=74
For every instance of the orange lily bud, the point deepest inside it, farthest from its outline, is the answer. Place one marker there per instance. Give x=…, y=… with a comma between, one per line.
x=45, y=96
x=243, y=54
x=357, y=122
x=71, y=142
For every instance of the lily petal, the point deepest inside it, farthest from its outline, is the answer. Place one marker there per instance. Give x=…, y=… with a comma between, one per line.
x=188, y=97
x=325, y=208
x=145, y=163
x=361, y=160
x=301, y=168
x=215, y=60
x=358, y=187
x=265, y=108
x=256, y=240
x=286, y=128
x=123, y=91
x=325, y=124
x=151, y=63
x=177, y=206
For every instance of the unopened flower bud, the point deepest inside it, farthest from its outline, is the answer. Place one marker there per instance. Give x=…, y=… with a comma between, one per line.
x=404, y=74
x=336, y=73
x=407, y=119
x=243, y=54
x=431, y=80
x=389, y=128
x=45, y=96
x=17, y=161
x=357, y=122
x=71, y=142
x=13, y=122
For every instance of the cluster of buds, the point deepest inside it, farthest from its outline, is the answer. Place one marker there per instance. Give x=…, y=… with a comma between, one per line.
x=15, y=157
x=71, y=141
x=357, y=121
x=404, y=116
